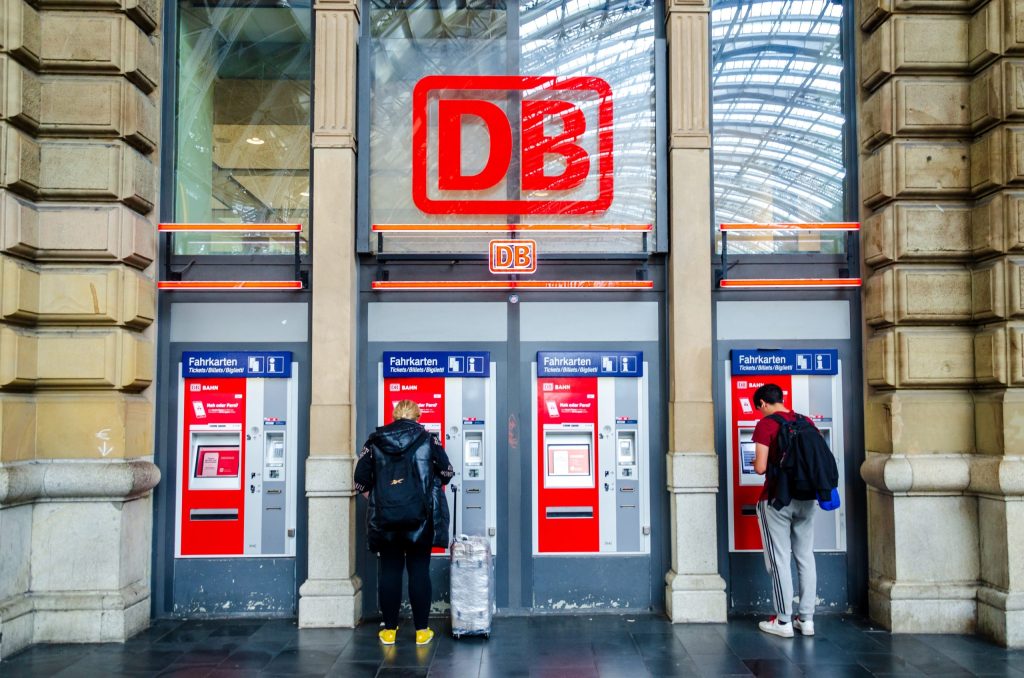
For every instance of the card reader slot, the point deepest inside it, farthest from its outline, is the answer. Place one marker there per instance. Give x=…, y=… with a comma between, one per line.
x=273, y=491
x=474, y=490
x=748, y=510
x=213, y=514
x=569, y=512
x=627, y=489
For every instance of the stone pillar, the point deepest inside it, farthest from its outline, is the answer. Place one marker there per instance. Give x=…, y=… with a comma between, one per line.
x=79, y=124
x=695, y=592
x=332, y=596
x=997, y=173
x=940, y=162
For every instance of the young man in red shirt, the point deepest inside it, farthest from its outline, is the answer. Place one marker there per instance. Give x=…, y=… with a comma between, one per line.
x=786, y=530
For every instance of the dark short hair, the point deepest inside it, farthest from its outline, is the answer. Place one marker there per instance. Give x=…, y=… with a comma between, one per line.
x=769, y=393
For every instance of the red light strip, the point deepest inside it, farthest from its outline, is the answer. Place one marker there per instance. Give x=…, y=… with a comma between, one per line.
x=836, y=226
x=763, y=283
x=508, y=228
x=226, y=228
x=229, y=285
x=544, y=285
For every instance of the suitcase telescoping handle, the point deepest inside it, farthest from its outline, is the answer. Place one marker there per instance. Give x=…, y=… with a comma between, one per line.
x=455, y=512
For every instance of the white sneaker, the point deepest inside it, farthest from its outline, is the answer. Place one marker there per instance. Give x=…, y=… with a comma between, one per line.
x=774, y=627
x=804, y=627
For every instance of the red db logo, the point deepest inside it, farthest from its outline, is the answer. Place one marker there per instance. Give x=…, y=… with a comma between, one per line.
x=553, y=125
x=512, y=256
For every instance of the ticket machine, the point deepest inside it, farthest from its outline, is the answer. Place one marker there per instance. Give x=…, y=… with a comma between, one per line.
x=590, y=479
x=455, y=392
x=811, y=383
x=237, y=454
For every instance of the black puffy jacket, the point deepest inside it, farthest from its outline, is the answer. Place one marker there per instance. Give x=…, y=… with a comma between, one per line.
x=386, y=443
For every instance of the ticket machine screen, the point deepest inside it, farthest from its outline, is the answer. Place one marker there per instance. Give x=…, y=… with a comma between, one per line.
x=747, y=452
x=568, y=460
x=217, y=462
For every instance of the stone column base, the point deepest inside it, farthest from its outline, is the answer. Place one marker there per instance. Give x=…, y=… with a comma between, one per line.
x=15, y=625
x=73, y=616
x=325, y=603
x=923, y=608
x=93, y=617
x=695, y=599
x=1001, y=616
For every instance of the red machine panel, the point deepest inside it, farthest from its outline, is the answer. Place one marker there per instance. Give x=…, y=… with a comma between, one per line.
x=212, y=489
x=426, y=392
x=568, y=519
x=746, y=484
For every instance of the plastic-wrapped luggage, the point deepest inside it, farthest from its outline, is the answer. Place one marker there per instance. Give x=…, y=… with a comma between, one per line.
x=472, y=586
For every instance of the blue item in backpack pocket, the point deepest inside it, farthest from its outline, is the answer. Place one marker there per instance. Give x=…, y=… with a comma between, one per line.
x=832, y=503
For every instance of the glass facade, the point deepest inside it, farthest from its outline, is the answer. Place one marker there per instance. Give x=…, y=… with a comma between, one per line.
x=614, y=41
x=778, y=120
x=242, y=124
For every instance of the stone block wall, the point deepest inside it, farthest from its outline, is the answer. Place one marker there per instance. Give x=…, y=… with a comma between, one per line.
x=79, y=123
x=942, y=165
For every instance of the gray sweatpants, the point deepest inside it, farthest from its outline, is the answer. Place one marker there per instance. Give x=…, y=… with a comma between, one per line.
x=790, y=530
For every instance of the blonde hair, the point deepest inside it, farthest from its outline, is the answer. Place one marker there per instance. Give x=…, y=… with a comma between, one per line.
x=406, y=409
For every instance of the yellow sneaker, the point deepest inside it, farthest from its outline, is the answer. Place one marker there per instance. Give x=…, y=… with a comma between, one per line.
x=387, y=636
x=424, y=636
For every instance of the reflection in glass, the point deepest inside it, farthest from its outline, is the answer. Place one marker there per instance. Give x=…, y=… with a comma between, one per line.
x=242, y=124
x=613, y=40
x=778, y=120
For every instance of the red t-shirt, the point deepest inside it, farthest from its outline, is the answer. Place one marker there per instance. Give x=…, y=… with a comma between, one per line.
x=767, y=433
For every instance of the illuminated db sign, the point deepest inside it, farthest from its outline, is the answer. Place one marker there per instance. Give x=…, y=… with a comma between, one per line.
x=512, y=256
x=563, y=157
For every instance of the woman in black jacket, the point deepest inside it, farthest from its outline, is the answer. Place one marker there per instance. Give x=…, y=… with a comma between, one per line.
x=401, y=470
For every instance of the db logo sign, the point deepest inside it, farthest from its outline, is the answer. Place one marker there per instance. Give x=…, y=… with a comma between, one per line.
x=195, y=387
x=465, y=129
x=512, y=256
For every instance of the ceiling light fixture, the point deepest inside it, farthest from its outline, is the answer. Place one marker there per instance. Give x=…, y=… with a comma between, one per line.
x=255, y=141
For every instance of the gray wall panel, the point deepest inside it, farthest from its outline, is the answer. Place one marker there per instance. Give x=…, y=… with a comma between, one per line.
x=783, y=320
x=590, y=321
x=241, y=322
x=450, y=322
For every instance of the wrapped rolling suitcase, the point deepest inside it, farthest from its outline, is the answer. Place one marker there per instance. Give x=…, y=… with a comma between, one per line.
x=472, y=586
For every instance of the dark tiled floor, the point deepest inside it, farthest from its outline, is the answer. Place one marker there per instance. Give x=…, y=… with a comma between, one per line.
x=531, y=647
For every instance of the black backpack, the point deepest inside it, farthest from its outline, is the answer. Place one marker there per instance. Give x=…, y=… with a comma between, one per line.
x=398, y=495
x=804, y=457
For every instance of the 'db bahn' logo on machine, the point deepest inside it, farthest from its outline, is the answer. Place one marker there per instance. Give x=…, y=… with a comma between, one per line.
x=512, y=145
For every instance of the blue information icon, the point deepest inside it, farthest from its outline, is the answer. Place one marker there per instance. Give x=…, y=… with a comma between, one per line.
x=474, y=364
x=822, y=361
x=629, y=364
x=275, y=364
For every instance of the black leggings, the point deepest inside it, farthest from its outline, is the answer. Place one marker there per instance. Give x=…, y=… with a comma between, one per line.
x=389, y=585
